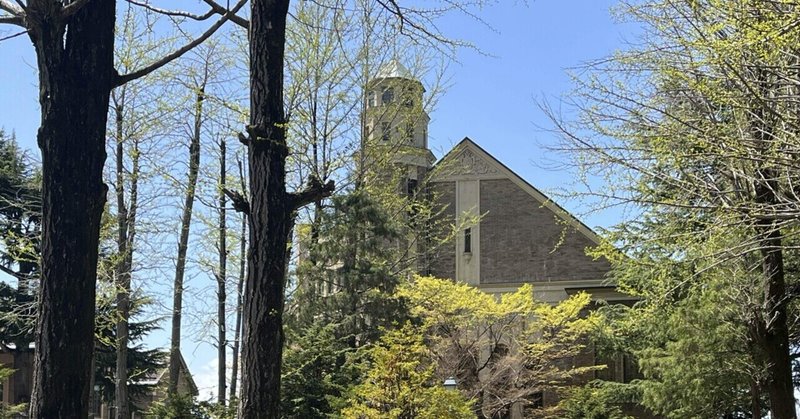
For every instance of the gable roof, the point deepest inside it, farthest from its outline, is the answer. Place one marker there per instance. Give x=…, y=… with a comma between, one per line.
x=163, y=374
x=490, y=167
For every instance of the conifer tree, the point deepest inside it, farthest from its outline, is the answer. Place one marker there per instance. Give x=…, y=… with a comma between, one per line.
x=696, y=128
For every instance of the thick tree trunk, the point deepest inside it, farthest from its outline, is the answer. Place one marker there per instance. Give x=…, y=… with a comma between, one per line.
x=269, y=220
x=75, y=77
x=221, y=279
x=775, y=337
x=755, y=396
x=772, y=333
x=183, y=244
x=126, y=225
x=238, y=327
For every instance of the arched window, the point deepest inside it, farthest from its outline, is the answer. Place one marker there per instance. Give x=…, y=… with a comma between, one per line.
x=388, y=96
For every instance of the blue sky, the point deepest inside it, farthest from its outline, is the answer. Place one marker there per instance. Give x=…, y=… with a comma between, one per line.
x=492, y=99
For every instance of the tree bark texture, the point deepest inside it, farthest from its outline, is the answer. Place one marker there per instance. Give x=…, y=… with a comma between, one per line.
x=221, y=279
x=239, y=286
x=183, y=243
x=75, y=77
x=269, y=219
x=774, y=336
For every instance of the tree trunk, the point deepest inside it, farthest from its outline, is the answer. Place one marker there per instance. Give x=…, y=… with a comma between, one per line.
x=75, y=77
x=183, y=243
x=126, y=224
x=221, y=278
x=772, y=331
x=269, y=218
x=755, y=396
x=775, y=337
x=237, y=329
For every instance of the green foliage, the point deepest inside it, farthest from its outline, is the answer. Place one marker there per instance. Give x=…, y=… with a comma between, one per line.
x=212, y=410
x=345, y=295
x=143, y=363
x=503, y=351
x=350, y=273
x=20, y=207
x=9, y=411
x=693, y=125
x=177, y=407
x=17, y=320
x=318, y=368
x=597, y=400
x=400, y=383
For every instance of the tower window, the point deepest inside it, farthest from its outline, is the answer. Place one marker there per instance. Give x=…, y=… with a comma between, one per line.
x=468, y=240
x=412, y=187
x=372, y=97
x=388, y=96
x=385, y=131
x=409, y=134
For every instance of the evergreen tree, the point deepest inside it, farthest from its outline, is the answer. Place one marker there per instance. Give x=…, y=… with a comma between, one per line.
x=20, y=225
x=696, y=128
x=142, y=363
x=19, y=239
x=20, y=209
x=343, y=301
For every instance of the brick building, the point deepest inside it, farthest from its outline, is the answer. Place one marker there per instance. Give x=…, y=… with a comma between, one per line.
x=519, y=234
x=509, y=232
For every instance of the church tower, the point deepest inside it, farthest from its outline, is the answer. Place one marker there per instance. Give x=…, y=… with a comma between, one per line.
x=395, y=150
x=396, y=124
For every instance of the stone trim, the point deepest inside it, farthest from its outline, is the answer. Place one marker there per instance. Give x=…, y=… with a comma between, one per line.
x=484, y=166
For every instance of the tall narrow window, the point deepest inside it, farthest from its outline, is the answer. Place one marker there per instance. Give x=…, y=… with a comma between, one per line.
x=373, y=97
x=468, y=240
x=412, y=187
x=409, y=134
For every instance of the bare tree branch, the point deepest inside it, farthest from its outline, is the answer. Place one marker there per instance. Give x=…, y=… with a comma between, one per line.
x=12, y=35
x=11, y=272
x=122, y=79
x=313, y=192
x=219, y=9
x=13, y=20
x=14, y=9
x=175, y=13
x=240, y=203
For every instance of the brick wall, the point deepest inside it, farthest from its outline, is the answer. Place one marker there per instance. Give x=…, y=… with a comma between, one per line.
x=443, y=257
x=523, y=241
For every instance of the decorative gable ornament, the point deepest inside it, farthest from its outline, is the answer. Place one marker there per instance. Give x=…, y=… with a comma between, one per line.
x=469, y=163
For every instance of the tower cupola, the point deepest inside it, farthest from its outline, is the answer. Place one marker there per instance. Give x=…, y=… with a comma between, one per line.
x=394, y=113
